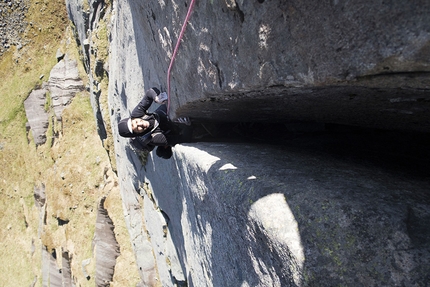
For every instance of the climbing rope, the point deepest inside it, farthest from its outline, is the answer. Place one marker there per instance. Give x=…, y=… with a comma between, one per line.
x=176, y=51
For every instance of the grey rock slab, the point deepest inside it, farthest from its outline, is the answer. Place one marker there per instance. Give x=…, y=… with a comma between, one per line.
x=168, y=265
x=133, y=215
x=37, y=115
x=64, y=82
x=106, y=246
x=305, y=218
x=336, y=62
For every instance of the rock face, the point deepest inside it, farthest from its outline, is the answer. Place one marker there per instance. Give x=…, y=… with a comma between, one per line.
x=37, y=115
x=356, y=63
x=106, y=246
x=305, y=217
x=322, y=209
x=63, y=84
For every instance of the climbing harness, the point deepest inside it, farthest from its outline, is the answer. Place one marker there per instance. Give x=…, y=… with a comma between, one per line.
x=184, y=25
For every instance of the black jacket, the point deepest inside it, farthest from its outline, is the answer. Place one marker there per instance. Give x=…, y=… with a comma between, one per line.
x=162, y=132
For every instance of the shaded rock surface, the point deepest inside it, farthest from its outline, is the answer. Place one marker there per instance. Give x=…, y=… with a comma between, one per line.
x=322, y=210
x=310, y=212
x=357, y=63
x=318, y=208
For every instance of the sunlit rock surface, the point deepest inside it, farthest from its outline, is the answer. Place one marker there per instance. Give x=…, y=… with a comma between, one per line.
x=63, y=84
x=358, y=62
x=105, y=245
x=323, y=206
x=293, y=215
x=37, y=115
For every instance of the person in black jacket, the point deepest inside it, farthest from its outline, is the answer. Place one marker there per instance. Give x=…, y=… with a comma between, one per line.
x=149, y=130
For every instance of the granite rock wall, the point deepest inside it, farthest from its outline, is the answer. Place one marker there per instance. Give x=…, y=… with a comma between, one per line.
x=323, y=208
x=347, y=62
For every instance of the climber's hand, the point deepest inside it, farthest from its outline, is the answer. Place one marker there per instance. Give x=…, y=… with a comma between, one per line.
x=161, y=98
x=185, y=121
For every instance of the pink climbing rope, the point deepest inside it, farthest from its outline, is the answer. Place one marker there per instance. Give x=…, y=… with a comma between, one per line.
x=176, y=51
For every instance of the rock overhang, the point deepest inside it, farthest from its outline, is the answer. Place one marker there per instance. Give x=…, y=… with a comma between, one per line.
x=352, y=63
x=395, y=108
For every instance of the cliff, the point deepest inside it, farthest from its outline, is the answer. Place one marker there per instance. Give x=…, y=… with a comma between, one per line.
x=330, y=202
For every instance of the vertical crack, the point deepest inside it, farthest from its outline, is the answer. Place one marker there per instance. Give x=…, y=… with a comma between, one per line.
x=220, y=78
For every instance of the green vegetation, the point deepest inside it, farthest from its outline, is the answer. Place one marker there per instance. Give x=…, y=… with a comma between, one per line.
x=74, y=168
x=20, y=161
x=100, y=40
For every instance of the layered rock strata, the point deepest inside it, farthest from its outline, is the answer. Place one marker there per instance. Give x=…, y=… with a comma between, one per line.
x=106, y=247
x=64, y=82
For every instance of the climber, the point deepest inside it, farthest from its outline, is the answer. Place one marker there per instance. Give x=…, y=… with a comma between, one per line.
x=148, y=130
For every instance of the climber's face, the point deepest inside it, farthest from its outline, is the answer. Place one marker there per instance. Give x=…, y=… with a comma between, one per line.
x=138, y=125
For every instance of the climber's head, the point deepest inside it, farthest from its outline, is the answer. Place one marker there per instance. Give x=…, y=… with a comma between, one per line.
x=131, y=127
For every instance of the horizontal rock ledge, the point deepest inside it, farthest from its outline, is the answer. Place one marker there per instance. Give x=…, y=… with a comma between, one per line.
x=402, y=109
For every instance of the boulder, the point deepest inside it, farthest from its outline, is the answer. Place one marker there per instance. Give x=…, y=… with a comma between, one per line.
x=37, y=114
x=105, y=245
x=64, y=82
